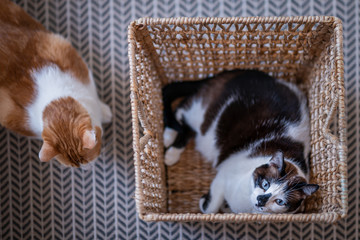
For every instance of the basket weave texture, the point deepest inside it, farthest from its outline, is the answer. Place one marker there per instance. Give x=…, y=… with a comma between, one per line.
x=303, y=50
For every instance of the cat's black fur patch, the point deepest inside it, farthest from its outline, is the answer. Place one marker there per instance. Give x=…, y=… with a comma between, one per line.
x=207, y=198
x=262, y=199
x=291, y=149
x=174, y=91
x=184, y=135
x=262, y=104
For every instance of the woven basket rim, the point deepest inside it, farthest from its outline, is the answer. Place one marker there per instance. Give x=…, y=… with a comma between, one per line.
x=149, y=21
x=329, y=217
x=340, y=141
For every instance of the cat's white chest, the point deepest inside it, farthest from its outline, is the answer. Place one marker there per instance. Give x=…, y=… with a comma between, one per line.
x=51, y=84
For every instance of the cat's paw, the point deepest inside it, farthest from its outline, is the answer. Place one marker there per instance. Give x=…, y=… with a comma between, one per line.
x=106, y=113
x=172, y=155
x=225, y=208
x=88, y=166
x=169, y=136
x=204, y=203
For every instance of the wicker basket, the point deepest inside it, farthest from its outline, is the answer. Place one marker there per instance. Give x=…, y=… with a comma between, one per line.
x=304, y=50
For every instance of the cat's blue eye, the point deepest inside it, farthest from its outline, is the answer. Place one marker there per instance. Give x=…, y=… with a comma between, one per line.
x=265, y=184
x=280, y=202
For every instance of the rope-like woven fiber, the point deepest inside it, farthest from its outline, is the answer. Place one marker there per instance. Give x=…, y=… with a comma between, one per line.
x=304, y=50
x=242, y=217
x=235, y=20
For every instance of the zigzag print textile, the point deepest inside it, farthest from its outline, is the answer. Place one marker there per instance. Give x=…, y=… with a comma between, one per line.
x=47, y=201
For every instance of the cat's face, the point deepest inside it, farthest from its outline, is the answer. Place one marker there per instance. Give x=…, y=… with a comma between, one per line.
x=279, y=188
x=68, y=134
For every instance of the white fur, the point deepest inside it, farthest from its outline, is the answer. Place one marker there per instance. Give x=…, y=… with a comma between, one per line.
x=169, y=136
x=106, y=112
x=206, y=144
x=51, y=84
x=194, y=116
x=172, y=155
x=238, y=168
x=299, y=131
x=88, y=166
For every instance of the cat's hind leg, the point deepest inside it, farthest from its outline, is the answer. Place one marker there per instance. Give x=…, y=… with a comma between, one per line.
x=171, y=92
x=177, y=131
x=211, y=202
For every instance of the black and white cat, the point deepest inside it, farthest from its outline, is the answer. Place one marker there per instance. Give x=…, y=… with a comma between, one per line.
x=255, y=131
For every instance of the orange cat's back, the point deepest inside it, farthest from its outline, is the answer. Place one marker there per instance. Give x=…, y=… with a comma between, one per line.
x=46, y=90
x=26, y=46
x=13, y=15
x=16, y=87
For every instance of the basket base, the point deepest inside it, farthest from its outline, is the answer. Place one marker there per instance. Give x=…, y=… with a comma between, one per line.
x=188, y=180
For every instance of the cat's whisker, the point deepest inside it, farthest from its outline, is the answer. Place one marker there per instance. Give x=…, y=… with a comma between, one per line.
x=286, y=175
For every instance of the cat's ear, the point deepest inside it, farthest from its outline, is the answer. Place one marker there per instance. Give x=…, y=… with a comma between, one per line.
x=47, y=152
x=89, y=139
x=310, y=189
x=278, y=160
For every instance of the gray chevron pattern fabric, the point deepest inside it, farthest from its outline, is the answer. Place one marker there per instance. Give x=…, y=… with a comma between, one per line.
x=47, y=201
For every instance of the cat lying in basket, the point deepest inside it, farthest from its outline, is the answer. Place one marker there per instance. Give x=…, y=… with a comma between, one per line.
x=47, y=91
x=255, y=131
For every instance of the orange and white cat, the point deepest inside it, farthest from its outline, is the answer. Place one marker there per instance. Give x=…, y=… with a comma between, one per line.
x=47, y=91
